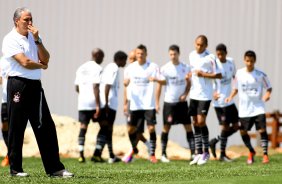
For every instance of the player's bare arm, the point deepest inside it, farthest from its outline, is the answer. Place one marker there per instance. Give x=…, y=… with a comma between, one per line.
x=28, y=63
x=158, y=95
x=267, y=95
x=97, y=99
x=200, y=73
x=232, y=95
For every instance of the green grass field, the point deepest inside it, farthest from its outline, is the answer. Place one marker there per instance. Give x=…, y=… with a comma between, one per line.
x=141, y=171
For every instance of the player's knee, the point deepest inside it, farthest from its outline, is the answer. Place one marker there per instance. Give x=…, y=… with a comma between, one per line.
x=83, y=126
x=243, y=132
x=131, y=129
x=151, y=129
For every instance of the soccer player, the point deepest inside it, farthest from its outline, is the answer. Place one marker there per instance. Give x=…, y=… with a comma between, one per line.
x=109, y=86
x=204, y=70
x=227, y=113
x=249, y=85
x=140, y=125
x=87, y=85
x=4, y=110
x=175, y=78
x=141, y=75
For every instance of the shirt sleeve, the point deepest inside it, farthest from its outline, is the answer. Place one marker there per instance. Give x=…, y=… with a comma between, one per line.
x=215, y=67
x=11, y=47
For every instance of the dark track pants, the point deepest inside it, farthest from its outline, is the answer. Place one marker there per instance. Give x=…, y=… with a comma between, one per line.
x=26, y=101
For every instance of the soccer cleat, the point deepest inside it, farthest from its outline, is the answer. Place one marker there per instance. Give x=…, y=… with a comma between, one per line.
x=5, y=162
x=62, y=174
x=265, y=159
x=128, y=157
x=153, y=159
x=97, y=159
x=225, y=158
x=196, y=159
x=213, y=146
x=251, y=159
x=114, y=160
x=204, y=158
x=81, y=159
x=19, y=174
x=164, y=159
x=192, y=157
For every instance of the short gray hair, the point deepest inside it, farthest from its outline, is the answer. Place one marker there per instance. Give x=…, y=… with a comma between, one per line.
x=18, y=13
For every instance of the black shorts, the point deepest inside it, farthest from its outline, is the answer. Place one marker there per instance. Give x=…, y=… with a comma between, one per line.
x=109, y=116
x=4, y=112
x=259, y=121
x=198, y=107
x=176, y=113
x=227, y=115
x=140, y=124
x=86, y=115
x=139, y=116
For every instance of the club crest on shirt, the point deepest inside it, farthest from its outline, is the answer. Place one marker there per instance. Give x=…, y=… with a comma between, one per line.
x=17, y=97
x=169, y=118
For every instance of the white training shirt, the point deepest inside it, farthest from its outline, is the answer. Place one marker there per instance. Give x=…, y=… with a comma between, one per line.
x=15, y=43
x=87, y=75
x=110, y=76
x=201, y=87
x=142, y=95
x=223, y=86
x=3, y=71
x=250, y=89
x=128, y=86
x=175, y=77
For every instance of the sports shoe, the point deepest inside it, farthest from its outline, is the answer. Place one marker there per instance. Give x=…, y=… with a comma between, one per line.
x=204, y=158
x=192, y=157
x=213, y=146
x=62, y=174
x=81, y=159
x=97, y=159
x=265, y=159
x=164, y=159
x=5, y=161
x=153, y=159
x=196, y=159
x=251, y=159
x=19, y=174
x=114, y=160
x=128, y=157
x=225, y=158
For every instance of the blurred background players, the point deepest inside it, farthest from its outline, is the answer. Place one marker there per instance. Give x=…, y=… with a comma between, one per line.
x=250, y=83
x=227, y=113
x=109, y=87
x=141, y=75
x=4, y=110
x=87, y=86
x=175, y=78
x=140, y=125
x=204, y=70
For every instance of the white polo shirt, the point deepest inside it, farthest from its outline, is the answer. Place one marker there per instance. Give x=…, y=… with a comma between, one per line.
x=202, y=87
x=223, y=86
x=142, y=95
x=250, y=89
x=3, y=73
x=15, y=43
x=110, y=76
x=175, y=77
x=87, y=75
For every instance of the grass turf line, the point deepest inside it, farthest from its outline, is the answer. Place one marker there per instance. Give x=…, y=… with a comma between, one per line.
x=142, y=171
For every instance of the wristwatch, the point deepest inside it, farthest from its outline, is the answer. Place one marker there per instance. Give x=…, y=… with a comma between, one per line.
x=39, y=41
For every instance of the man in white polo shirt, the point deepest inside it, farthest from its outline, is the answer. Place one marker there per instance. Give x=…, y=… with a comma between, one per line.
x=87, y=82
x=250, y=83
x=24, y=51
x=141, y=75
x=175, y=78
x=204, y=70
x=109, y=87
